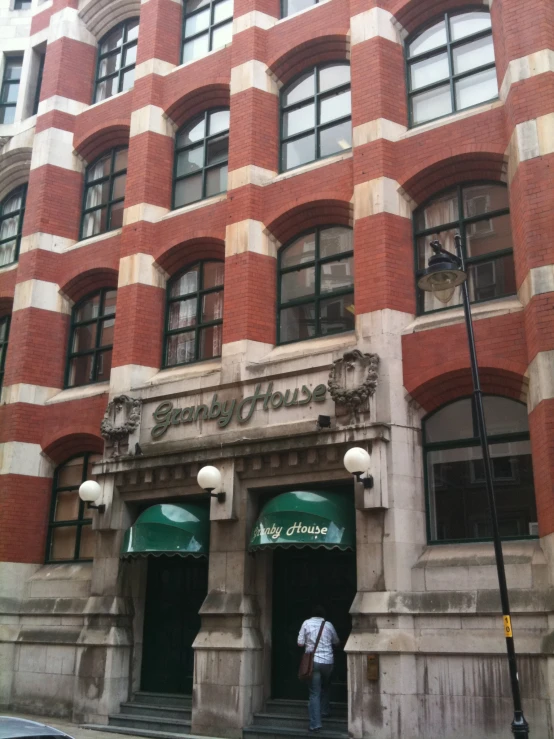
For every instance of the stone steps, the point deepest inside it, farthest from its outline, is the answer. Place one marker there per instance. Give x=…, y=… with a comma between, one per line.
x=153, y=711
x=289, y=707
x=133, y=732
x=288, y=719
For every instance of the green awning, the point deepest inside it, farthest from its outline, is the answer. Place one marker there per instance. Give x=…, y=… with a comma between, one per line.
x=182, y=529
x=306, y=519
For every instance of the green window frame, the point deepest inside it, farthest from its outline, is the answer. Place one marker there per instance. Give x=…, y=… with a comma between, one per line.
x=194, y=314
x=207, y=26
x=4, y=338
x=104, y=193
x=474, y=210
x=117, y=57
x=316, y=115
x=9, y=91
x=316, y=309
x=12, y=213
x=89, y=356
x=201, y=157
x=456, y=501
x=70, y=535
x=450, y=65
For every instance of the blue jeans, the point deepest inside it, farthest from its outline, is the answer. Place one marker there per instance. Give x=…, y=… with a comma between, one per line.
x=319, y=694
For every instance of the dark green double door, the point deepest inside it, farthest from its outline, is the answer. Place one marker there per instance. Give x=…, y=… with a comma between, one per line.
x=303, y=578
x=175, y=590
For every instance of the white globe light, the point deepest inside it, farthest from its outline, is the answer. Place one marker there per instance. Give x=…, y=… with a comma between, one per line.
x=209, y=478
x=357, y=460
x=90, y=491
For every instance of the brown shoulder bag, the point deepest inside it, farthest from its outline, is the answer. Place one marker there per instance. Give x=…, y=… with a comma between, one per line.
x=306, y=668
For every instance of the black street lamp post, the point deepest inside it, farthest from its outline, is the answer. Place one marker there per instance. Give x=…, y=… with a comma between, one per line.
x=444, y=273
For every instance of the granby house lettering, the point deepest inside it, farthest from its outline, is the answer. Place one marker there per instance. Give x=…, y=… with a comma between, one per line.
x=224, y=411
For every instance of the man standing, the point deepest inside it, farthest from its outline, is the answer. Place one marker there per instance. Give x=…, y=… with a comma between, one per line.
x=320, y=683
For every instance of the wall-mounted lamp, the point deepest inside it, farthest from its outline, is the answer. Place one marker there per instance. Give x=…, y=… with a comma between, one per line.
x=89, y=492
x=357, y=462
x=209, y=479
x=323, y=422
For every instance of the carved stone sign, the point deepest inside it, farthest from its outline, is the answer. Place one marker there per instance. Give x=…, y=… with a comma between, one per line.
x=353, y=380
x=121, y=424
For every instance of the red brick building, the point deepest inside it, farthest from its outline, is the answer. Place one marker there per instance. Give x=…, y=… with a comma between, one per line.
x=205, y=204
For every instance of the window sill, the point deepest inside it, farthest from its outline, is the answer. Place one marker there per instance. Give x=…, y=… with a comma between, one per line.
x=453, y=316
x=312, y=165
x=184, y=65
x=453, y=118
x=310, y=347
x=301, y=12
x=106, y=100
x=202, y=371
x=478, y=554
x=8, y=267
x=95, y=239
x=194, y=206
x=78, y=393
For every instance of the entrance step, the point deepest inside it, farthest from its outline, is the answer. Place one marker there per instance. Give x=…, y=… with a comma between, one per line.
x=297, y=722
x=150, y=723
x=261, y=732
x=156, y=711
x=288, y=719
x=162, y=699
x=283, y=706
x=133, y=732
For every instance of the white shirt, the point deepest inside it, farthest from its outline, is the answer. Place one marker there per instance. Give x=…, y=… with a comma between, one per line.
x=308, y=635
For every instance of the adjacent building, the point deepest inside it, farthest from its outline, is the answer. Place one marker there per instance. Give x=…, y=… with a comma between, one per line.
x=213, y=217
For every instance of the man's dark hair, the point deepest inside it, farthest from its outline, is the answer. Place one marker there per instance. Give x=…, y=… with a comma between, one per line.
x=319, y=612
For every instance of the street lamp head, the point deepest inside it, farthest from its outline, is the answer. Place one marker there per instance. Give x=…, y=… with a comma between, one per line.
x=209, y=478
x=357, y=460
x=443, y=274
x=90, y=491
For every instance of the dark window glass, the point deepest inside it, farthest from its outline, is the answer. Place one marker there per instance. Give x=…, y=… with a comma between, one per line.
x=104, y=193
x=316, y=285
x=4, y=336
x=316, y=115
x=117, y=55
x=456, y=493
x=10, y=88
x=12, y=211
x=201, y=154
x=91, y=339
x=479, y=213
x=22, y=4
x=290, y=7
x=39, y=83
x=194, y=317
x=70, y=535
x=451, y=66
x=207, y=26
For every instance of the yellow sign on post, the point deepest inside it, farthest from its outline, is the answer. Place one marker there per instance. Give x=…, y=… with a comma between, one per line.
x=507, y=626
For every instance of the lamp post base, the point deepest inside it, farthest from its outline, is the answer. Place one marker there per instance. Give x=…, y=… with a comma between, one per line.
x=520, y=727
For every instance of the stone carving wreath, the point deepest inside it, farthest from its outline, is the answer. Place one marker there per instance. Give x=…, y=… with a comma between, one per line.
x=354, y=397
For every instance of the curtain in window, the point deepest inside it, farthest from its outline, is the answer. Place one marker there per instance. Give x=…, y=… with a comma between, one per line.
x=8, y=229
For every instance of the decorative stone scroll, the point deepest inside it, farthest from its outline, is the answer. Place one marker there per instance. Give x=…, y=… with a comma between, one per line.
x=120, y=425
x=352, y=381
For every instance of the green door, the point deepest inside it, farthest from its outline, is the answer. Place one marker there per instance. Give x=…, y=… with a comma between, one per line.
x=175, y=590
x=303, y=578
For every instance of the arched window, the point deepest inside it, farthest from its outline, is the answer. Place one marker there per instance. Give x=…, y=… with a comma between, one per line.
x=316, y=285
x=479, y=213
x=91, y=339
x=104, y=193
x=316, y=115
x=207, y=26
x=451, y=66
x=201, y=154
x=194, y=316
x=4, y=336
x=12, y=210
x=117, y=56
x=70, y=535
x=457, y=504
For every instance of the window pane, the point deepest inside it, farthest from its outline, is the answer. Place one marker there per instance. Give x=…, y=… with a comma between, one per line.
x=212, y=306
x=7, y=115
x=210, y=342
x=505, y=416
x=7, y=252
x=453, y=422
x=13, y=67
x=99, y=169
x=80, y=371
x=190, y=161
x=222, y=35
x=428, y=71
x=106, y=332
x=63, y=542
x=441, y=210
x=109, y=302
x=192, y=5
x=474, y=54
x=106, y=89
x=182, y=314
x=84, y=337
x=132, y=29
x=186, y=284
x=3, y=329
x=481, y=199
x=130, y=55
x=8, y=227
x=219, y=121
x=492, y=279
x=196, y=48
x=335, y=107
x=197, y=22
x=430, y=39
x=335, y=139
x=193, y=133
x=112, y=41
x=217, y=150
x=88, y=310
x=297, y=323
x=180, y=349
x=87, y=543
x=488, y=235
x=335, y=76
x=295, y=6
x=223, y=10
x=336, y=275
x=297, y=284
x=334, y=241
x=213, y=274
x=431, y=104
x=94, y=223
x=128, y=79
x=302, y=250
x=188, y=190
x=97, y=194
x=216, y=181
x=476, y=89
x=67, y=506
x=121, y=160
x=70, y=473
x=12, y=203
x=301, y=119
x=336, y=315
x=103, y=366
x=9, y=92
x=118, y=187
x=300, y=90
x=109, y=65
x=467, y=24
x=116, y=216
